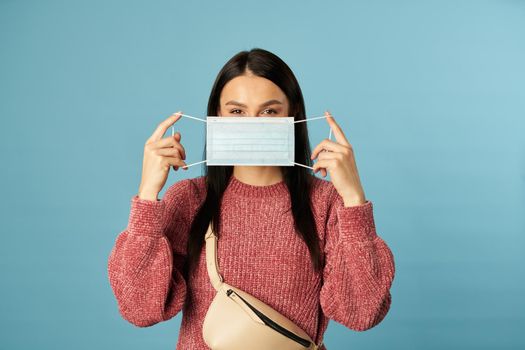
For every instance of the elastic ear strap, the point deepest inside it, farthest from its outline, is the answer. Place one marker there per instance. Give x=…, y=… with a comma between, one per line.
x=212, y=263
x=329, y=137
x=173, y=133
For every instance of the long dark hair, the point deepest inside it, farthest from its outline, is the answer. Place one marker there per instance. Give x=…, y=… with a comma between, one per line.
x=298, y=179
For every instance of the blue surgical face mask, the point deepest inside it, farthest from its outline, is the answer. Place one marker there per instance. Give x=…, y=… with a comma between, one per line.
x=250, y=140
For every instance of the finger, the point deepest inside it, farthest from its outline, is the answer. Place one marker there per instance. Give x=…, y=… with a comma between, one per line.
x=181, y=148
x=328, y=155
x=163, y=126
x=169, y=152
x=174, y=145
x=176, y=167
x=338, y=132
x=177, y=136
x=174, y=161
x=325, y=163
x=170, y=142
x=328, y=145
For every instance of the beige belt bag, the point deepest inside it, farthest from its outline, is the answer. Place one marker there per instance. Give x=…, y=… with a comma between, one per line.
x=237, y=320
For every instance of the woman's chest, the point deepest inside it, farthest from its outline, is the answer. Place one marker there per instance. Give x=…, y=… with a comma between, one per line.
x=261, y=256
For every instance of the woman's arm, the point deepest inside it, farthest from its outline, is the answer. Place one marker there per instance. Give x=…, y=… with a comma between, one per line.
x=145, y=264
x=359, y=267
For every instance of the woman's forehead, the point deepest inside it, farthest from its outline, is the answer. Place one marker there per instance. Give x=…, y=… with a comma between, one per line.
x=251, y=90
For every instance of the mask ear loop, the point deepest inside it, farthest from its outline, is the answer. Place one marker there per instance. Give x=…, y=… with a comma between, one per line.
x=173, y=133
x=296, y=121
x=329, y=137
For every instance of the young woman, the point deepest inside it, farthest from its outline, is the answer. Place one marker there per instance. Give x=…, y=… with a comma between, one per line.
x=303, y=245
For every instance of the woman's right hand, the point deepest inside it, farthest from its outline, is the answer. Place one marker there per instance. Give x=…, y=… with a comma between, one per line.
x=159, y=155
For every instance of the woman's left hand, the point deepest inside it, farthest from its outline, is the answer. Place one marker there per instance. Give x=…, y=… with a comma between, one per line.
x=339, y=161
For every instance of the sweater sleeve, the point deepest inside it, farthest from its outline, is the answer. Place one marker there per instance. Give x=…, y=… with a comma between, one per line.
x=359, y=267
x=145, y=263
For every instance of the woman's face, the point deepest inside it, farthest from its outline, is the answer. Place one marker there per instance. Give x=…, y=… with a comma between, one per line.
x=252, y=96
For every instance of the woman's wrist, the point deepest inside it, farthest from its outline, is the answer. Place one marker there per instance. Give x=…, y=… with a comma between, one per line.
x=148, y=195
x=354, y=201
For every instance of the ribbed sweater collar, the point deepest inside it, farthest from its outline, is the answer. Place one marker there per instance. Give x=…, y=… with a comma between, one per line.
x=278, y=189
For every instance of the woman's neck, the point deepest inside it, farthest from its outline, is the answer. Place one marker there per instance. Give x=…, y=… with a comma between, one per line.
x=258, y=175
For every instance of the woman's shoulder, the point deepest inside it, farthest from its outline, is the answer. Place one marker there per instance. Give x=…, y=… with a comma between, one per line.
x=322, y=194
x=194, y=187
x=321, y=188
x=198, y=182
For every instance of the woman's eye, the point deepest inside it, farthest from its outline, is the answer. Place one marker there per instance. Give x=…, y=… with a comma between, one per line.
x=273, y=111
x=234, y=111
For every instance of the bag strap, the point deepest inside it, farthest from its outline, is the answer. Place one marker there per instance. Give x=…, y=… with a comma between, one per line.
x=212, y=263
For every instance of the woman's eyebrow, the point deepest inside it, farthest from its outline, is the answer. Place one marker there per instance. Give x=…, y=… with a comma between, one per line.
x=267, y=103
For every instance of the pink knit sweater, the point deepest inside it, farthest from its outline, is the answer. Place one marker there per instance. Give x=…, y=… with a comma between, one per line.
x=259, y=252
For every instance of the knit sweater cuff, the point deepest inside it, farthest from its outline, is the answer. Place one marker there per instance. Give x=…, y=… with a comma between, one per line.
x=146, y=217
x=356, y=223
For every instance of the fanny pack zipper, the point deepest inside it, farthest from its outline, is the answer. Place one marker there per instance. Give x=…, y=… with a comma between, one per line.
x=272, y=324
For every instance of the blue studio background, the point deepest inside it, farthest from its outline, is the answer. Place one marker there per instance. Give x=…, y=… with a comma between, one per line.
x=430, y=93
